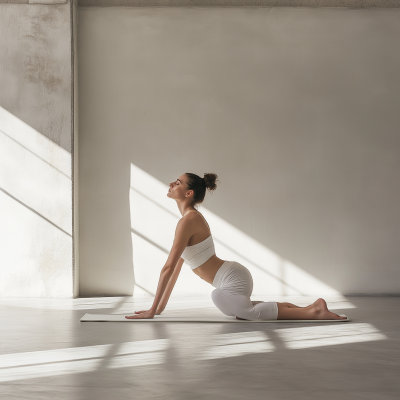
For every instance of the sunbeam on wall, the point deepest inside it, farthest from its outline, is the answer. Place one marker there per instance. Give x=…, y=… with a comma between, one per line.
x=35, y=213
x=153, y=221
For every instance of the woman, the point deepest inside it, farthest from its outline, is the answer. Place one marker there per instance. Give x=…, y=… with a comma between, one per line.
x=233, y=283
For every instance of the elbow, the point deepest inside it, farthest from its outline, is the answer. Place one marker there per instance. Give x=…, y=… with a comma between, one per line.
x=169, y=269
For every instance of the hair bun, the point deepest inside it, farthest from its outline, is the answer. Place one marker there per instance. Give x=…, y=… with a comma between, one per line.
x=210, y=181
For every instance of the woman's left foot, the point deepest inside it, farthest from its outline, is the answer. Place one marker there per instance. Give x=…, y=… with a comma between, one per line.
x=321, y=311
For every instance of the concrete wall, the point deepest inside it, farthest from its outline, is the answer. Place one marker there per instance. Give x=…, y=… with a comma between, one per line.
x=236, y=3
x=75, y=142
x=35, y=151
x=296, y=110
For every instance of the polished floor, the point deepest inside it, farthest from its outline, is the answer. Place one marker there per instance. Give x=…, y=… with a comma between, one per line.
x=46, y=353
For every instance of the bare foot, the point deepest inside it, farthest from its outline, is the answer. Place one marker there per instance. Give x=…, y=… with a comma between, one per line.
x=321, y=311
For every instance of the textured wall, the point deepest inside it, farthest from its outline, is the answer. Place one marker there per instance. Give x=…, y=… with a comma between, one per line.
x=246, y=3
x=296, y=109
x=35, y=151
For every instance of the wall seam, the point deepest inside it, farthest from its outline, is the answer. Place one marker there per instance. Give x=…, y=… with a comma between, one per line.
x=74, y=277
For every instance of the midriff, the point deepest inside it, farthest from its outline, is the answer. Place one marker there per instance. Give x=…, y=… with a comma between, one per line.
x=208, y=270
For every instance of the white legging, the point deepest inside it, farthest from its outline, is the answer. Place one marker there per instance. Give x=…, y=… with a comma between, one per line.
x=234, y=285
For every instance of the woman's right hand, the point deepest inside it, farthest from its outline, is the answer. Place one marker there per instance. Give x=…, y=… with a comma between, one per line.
x=158, y=312
x=147, y=314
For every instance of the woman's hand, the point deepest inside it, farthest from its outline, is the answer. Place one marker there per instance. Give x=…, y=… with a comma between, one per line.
x=147, y=314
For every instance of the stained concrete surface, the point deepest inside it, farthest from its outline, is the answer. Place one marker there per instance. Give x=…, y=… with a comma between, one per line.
x=245, y=3
x=35, y=68
x=46, y=353
x=35, y=150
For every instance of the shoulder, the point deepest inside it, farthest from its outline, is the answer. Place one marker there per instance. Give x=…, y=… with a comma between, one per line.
x=184, y=229
x=188, y=222
x=188, y=219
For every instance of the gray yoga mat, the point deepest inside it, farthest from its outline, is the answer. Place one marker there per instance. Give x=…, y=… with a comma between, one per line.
x=211, y=318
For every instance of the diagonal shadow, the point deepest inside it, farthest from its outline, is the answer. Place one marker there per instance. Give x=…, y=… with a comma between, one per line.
x=223, y=244
x=34, y=211
x=150, y=241
x=40, y=158
x=141, y=287
x=154, y=202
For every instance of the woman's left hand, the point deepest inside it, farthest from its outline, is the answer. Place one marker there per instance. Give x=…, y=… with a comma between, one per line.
x=141, y=315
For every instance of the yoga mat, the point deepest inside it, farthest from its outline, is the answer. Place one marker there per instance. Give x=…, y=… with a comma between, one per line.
x=211, y=318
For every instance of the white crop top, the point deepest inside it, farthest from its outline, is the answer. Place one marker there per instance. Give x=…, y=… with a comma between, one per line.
x=199, y=253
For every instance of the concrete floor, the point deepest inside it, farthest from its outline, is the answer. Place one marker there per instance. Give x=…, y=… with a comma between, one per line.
x=46, y=353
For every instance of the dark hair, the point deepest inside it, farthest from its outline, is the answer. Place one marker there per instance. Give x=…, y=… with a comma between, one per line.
x=199, y=185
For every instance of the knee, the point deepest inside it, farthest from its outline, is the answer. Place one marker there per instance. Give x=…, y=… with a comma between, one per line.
x=221, y=302
x=215, y=294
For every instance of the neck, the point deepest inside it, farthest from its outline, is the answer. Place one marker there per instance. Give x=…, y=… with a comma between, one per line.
x=184, y=208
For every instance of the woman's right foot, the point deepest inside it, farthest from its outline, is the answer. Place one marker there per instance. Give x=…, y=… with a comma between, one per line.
x=320, y=311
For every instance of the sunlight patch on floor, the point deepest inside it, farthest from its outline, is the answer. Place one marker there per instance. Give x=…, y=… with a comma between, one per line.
x=38, y=364
x=237, y=344
x=315, y=336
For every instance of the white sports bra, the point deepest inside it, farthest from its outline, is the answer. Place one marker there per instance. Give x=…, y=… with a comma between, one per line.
x=199, y=253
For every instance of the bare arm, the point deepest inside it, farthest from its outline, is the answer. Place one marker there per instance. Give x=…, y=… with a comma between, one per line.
x=170, y=287
x=182, y=236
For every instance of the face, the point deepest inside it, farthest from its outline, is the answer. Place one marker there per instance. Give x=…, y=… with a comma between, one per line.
x=178, y=189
